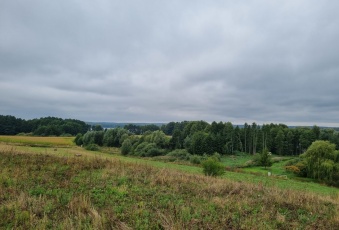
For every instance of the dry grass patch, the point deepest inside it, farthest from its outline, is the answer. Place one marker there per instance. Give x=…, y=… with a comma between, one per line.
x=38, y=141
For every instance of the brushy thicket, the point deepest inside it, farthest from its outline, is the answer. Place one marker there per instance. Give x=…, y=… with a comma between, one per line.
x=49, y=192
x=212, y=167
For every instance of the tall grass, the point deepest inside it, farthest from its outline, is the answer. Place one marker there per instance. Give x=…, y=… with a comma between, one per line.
x=42, y=191
x=243, y=176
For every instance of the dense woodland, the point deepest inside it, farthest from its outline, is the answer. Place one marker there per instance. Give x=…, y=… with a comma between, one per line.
x=47, y=126
x=200, y=137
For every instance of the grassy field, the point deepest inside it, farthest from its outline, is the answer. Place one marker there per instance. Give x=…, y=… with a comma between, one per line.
x=62, y=186
x=238, y=160
x=38, y=141
x=51, y=191
x=254, y=175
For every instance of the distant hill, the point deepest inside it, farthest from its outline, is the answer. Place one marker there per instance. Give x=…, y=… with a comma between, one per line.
x=110, y=125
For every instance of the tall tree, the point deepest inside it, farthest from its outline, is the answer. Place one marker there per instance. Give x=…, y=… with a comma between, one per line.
x=322, y=160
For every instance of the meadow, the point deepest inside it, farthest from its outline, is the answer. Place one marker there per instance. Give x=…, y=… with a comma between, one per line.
x=71, y=188
x=38, y=141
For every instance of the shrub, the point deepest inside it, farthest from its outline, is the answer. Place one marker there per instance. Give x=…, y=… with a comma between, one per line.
x=181, y=154
x=211, y=167
x=264, y=159
x=126, y=147
x=92, y=147
x=148, y=150
x=297, y=166
x=216, y=156
x=78, y=139
x=195, y=159
x=153, y=152
x=293, y=169
x=301, y=165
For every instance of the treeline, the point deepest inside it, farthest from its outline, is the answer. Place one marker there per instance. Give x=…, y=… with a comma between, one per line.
x=47, y=126
x=200, y=137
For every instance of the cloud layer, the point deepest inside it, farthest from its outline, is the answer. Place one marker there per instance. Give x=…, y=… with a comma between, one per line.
x=160, y=61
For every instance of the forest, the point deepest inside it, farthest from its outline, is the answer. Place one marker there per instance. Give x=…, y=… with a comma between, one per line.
x=200, y=137
x=47, y=126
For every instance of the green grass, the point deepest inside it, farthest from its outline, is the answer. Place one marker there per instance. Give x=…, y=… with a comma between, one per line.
x=237, y=160
x=246, y=175
x=277, y=168
x=258, y=175
x=58, y=190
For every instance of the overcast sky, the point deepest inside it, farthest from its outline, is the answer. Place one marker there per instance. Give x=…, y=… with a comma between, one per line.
x=158, y=61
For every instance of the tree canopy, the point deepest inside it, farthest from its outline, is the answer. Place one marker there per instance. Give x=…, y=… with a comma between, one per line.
x=46, y=126
x=322, y=161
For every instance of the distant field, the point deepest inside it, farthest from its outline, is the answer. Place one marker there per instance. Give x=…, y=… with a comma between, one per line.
x=38, y=141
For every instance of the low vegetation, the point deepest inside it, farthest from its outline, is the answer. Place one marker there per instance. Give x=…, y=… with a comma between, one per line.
x=212, y=167
x=39, y=141
x=47, y=191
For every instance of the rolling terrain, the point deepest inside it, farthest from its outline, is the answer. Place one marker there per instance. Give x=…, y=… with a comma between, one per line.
x=59, y=185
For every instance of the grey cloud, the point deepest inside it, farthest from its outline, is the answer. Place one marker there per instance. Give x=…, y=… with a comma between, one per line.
x=263, y=61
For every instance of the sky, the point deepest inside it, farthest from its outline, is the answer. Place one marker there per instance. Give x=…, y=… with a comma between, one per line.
x=159, y=61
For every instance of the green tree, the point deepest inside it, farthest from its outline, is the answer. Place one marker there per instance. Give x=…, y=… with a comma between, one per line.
x=78, y=139
x=175, y=142
x=198, y=144
x=159, y=138
x=321, y=159
x=115, y=137
x=279, y=141
x=289, y=143
x=264, y=158
x=126, y=147
x=97, y=128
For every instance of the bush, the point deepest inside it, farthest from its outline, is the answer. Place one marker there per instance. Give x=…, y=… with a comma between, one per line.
x=297, y=166
x=195, y=159
x=211, y=167
x=126, y=147
x=264, y=159
x=180, y=154
x=92, y=147
x=293, y=169
x=148, y=150
x=153, y=152
x=78, y=139
x=216, y=156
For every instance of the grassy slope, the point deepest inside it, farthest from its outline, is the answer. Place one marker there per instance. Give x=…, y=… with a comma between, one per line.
x=234, y=176
x=51, y=191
